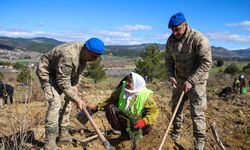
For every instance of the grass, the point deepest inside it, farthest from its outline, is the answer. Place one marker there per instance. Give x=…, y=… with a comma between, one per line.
x=111, y=80
x=214, y=70
x=107, y=80
x=26, y=61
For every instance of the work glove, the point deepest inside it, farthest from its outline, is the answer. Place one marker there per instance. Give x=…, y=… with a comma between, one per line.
x=140, y=124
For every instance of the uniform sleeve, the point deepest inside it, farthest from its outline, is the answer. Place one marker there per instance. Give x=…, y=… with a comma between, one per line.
x=63, y=76
x=169, y=61
x=113, y=98
x=42, y=70
x=151, y=111
x=203, y=50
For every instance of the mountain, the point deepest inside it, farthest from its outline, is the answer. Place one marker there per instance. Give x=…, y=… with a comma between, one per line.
x=39, y=44
x=243, y=52
x=220, y=52
x=42, y=44
x=6, y=47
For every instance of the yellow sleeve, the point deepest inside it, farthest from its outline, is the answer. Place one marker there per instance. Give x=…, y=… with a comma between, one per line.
x=151, y=111
x=113, y=98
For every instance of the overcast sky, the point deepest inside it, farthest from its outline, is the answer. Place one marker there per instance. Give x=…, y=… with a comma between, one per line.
x=226, y=23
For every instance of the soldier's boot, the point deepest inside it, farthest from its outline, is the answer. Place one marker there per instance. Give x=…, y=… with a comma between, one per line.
x=50, y=142
x=64, y=136
x=199, y=143
x=175, y=135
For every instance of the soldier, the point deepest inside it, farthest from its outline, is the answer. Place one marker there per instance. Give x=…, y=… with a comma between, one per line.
x=59, y=72
x=188, y=59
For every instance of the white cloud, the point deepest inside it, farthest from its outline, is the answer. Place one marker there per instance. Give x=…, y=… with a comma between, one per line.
x=122, y=41
x=162, y=37
x=229, y=37
x=121, y=36
x=16, y=33
x=114, y=33
x=109, y=37
x=243, y=24
x=138, y=27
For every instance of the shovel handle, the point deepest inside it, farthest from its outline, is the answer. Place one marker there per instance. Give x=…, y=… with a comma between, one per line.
x=172, y=119
x=104, y=141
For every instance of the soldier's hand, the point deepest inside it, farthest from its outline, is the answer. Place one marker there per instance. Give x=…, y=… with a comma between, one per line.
x=80, y=104
x=93, y=107
x=187, y=86
x=173, y=81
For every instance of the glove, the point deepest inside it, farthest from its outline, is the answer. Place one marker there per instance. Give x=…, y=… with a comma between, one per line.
x=140, y=124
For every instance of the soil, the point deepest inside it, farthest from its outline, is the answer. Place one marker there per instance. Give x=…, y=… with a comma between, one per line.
x=26, y=118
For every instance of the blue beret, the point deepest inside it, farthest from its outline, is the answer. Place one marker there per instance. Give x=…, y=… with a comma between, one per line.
x=176, y=20
x=95, y=45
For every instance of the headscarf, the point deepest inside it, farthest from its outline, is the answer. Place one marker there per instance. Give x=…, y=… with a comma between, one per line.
x=139, y=83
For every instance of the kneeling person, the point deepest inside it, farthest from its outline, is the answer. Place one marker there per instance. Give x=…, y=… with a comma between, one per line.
x=130, y=101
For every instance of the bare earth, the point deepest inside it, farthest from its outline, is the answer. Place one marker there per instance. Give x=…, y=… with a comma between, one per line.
x=232, y=117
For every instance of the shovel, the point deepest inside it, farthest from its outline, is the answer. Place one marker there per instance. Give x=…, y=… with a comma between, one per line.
x=104, y=141
x=172, y=119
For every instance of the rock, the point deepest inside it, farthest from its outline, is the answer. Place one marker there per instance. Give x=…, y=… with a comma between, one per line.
x=240, y=113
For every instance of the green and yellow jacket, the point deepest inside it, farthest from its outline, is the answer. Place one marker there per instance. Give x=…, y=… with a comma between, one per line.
x=148, y=109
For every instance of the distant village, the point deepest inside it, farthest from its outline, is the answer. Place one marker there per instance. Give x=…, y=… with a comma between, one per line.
x=10, y=57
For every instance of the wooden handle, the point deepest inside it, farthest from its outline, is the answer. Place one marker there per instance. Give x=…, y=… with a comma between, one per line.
x=172, y=119
x=104, y=141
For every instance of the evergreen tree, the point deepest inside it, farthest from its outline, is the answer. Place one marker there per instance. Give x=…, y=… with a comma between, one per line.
x=96, y=71
x=151, y=64
x=219, y=63
x=25, y=76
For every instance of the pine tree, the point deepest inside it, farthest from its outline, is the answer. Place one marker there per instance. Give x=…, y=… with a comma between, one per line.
x=25, y=76
x=151, y=63
x=96, y=71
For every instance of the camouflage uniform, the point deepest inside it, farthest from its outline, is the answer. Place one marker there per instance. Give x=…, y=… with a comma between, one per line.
x=189, y=59
x=58, y=71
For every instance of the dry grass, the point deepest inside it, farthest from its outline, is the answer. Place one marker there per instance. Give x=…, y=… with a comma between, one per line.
x=232, y=117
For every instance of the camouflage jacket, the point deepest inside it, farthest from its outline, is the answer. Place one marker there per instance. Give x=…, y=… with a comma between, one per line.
x=188, y=58
x=62, y=68
x=150, y=113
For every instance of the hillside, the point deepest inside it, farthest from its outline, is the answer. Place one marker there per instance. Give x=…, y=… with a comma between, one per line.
x=25, y=119
x=42, y=44
x=39, y=44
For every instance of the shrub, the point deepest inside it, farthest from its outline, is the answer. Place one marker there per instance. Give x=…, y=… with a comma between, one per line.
x=25, y=76
x=96, y=71
x=232, y=69
x=219, y=63
x=19, y=66
x=246, y=69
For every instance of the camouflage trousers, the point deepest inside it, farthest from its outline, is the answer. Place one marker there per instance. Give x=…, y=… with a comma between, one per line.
x=198, y=104
x=58, y=112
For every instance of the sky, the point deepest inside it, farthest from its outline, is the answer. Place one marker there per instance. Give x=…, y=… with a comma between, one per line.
x=226, y=23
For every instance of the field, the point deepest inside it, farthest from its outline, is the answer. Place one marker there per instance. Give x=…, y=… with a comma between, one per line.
x=22, y=124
